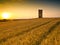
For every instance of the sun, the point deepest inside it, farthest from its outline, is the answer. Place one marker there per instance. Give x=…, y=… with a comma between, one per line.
x=5, y=15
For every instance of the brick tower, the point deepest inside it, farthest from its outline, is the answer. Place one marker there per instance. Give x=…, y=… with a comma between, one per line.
x=40, y=13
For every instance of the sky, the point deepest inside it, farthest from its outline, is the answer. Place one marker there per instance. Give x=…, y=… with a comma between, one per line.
x=26, y=9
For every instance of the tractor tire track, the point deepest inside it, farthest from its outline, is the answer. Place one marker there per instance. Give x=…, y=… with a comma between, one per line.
x=23, y=32
x=44, y=35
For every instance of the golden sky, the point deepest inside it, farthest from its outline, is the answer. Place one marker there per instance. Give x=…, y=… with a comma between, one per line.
x=27, y=10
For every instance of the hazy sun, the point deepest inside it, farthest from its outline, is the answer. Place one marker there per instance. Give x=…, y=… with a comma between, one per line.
x=5, y=15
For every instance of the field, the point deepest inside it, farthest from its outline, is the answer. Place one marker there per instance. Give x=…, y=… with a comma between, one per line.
x=43, y=31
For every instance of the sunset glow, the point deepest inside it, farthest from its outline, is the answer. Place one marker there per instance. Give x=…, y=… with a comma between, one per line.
x=6, y=15
x=29, y=9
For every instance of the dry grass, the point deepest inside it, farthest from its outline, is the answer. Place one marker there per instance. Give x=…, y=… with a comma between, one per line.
x=43, y=31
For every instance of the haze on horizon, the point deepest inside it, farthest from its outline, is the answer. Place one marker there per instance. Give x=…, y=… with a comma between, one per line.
x=25, y=9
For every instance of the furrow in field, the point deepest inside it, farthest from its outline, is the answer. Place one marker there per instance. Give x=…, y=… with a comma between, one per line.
x=23, y=32
x=32, y=35
x=44, y=35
